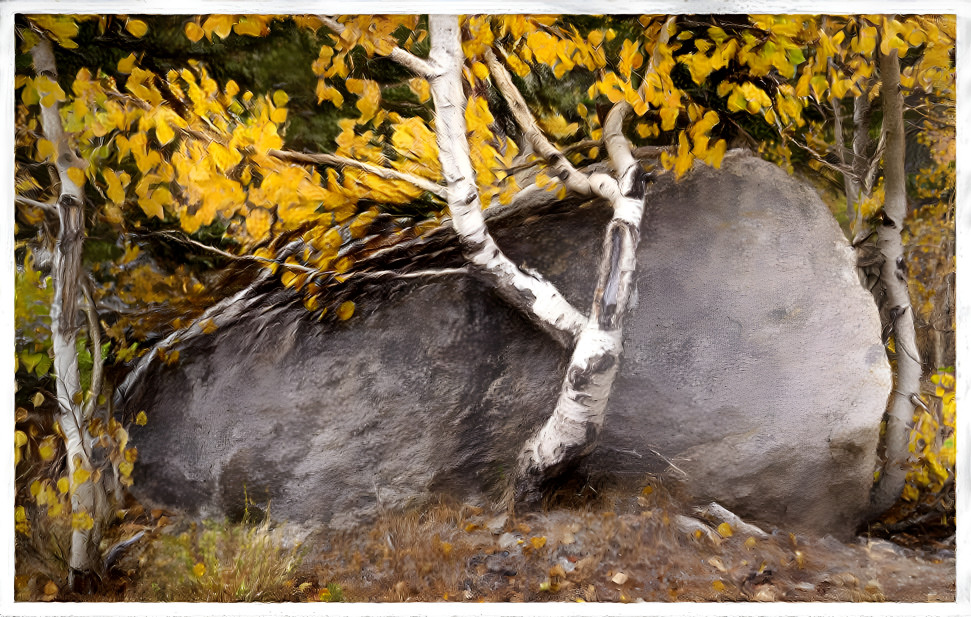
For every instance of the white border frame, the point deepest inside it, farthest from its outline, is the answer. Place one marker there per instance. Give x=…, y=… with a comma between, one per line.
x=962, y=605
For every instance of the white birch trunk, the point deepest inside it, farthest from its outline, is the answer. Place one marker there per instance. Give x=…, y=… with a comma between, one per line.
x=897, y=301
x=536, y=297
x=577, y=420
x=66, y=275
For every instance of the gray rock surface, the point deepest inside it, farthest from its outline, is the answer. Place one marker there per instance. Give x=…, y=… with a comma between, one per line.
x=752, y=363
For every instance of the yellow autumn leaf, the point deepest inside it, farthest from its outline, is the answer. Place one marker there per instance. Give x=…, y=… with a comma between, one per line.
x=258, y=223
x=222, y=25
x=126, y=64
x=194, y=32
x=345, y=310
x=280, y=98
x=684, y=158
x=538, y=542
x=250, y=26
x=715, y=155
x=558, y=127
x=63, y=485
x=669, y=116
x=329, y=93
x=151, y=207
x=163, y=132
x=421, y=88
x=136, y=27
x=370, y=97
x=46, y=151
x=543, y=46
x=63, y=27
x=725, y=530
x=76, y=174
x=82, y=521
x=480, y=70
x=361, y=223
x=199, y=569
x=141, y=419
x=80, y=476
x=125, y=468
x=116, y=185
x=279, y=115
x=50, y=91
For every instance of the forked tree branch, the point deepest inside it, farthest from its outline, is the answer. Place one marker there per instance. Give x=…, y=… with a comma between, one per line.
x=574, y=427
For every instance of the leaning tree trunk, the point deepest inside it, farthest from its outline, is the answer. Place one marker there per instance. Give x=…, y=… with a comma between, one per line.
x=539, y=299
x=67, y=280
x=893, y=277
x=571, y=432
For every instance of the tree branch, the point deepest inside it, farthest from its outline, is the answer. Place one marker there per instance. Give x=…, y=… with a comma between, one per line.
x=97, y=361
x=33, y=203
x=382, y=172
x=405, y=58
x=576, y=147
x=565, y=171
x=874, y=166
x=850, y=181
x=232, y=256
x=841, y=169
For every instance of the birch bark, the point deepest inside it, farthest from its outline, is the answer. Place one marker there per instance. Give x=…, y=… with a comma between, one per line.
x=897, y=301
x=66, y=274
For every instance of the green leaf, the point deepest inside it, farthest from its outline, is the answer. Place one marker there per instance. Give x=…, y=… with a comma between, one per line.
x=44, y=366
x=795, y=56
x=30, y=360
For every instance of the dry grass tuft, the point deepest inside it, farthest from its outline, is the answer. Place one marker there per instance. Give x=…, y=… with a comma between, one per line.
x=219, y=562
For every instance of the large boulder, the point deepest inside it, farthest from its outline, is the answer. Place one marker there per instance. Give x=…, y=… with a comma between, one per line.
x=752, y=367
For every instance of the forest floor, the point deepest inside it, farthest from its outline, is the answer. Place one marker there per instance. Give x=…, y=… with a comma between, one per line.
x=613, y=548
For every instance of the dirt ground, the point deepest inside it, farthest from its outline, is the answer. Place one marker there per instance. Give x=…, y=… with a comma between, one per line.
x=611, y=548
x=618, y=550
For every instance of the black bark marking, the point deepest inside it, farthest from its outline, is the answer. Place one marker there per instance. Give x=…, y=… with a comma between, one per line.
x=638, y=184
x=580, y=377
x=471, y=247
x=609, y=300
